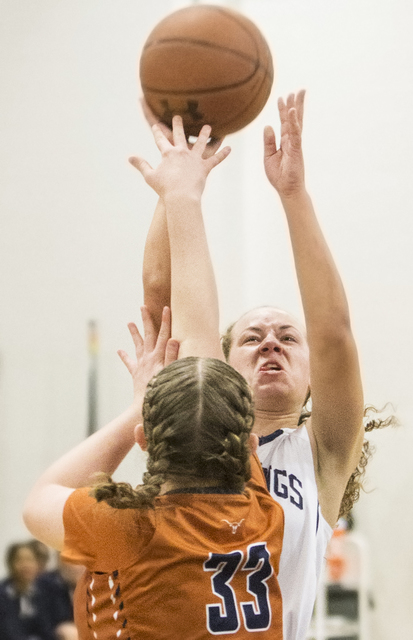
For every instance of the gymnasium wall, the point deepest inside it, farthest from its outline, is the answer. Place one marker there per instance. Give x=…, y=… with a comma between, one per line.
x=74, y=216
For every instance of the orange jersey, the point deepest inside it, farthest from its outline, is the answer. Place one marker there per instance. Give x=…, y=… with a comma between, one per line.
x=197, y=565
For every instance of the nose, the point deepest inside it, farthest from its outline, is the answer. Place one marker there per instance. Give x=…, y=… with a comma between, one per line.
x=270, y=343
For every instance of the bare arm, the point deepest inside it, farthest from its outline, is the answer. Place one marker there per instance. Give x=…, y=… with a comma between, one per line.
x=105, y=449
x=157, y=257
x=180, y=180
x=337, y=398
x=156, y=272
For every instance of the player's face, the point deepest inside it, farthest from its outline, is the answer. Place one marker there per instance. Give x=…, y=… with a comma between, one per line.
x=270, y=350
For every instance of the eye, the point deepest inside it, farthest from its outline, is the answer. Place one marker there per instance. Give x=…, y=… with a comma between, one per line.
x=289, y=339
x=251, y=339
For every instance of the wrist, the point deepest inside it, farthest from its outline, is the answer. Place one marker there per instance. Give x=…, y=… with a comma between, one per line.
x=296, y=196
x=135, y=409
x=180, y=196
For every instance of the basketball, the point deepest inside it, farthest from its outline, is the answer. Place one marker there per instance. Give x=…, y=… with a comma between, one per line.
x=208, y=64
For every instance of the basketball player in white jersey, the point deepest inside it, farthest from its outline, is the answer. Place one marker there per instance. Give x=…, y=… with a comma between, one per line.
x=307, y=462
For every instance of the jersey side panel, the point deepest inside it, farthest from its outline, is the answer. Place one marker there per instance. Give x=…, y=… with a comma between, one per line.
x=288, y=466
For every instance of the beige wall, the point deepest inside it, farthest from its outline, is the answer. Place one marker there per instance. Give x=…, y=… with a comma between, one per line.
x=74, y=216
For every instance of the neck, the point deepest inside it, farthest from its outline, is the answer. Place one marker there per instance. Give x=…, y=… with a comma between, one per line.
x=21, y=585
x=267, y=422
x=180, y=483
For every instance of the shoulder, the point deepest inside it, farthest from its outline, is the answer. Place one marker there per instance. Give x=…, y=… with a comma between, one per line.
x=286, y=444
x=257, y=474
x=99, y=536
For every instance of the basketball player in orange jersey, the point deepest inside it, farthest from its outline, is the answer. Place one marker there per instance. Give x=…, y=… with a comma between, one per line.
x=308, y=459
x=193, y=552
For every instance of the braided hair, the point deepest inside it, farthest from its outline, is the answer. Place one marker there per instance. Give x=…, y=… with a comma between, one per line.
x=197, y=419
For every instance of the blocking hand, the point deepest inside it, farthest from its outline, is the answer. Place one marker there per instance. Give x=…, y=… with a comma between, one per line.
x=182, y=170
x=285, y=166
x=212, y=146
x=153, y=352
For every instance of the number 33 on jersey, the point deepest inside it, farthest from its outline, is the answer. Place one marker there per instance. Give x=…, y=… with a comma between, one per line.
x=256, y=614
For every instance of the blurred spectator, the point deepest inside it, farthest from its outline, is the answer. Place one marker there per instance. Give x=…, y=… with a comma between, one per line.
x=42, y=552
x=20, y=599
x=57, y=588
x=37, y=604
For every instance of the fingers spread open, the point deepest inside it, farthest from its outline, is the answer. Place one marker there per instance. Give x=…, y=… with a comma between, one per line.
x=270, y=145
x=290, y=101
x=171, y=352
x=202, y=140
x=283, y=110
x=165, y=328
x=137, y=338
x=149, y=331
x=178, y=131
x=141, y=165
x=127, y=361
x=218, y=157
x=295, y=129
x=161, y=139
x=212, y=147
x=300, y=106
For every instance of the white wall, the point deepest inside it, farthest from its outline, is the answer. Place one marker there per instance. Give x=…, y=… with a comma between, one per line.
x=74, y=216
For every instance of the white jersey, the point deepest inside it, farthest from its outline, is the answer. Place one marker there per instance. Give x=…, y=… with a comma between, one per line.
x=287, y=460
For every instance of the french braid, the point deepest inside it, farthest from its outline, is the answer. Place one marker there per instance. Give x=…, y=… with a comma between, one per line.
x=198, y=417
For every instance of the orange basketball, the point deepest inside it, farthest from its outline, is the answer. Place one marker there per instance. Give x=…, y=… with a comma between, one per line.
x=209, y=64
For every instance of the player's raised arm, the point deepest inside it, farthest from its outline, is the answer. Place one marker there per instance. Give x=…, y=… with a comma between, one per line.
x=180, y=180
x=105, y=449
x=156, y=272
x=337, y=398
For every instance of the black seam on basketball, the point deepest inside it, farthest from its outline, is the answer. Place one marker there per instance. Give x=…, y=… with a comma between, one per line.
x=223, y=123
x=234, y=85
x=239, y=113
x=201, y=43
x=253, y=34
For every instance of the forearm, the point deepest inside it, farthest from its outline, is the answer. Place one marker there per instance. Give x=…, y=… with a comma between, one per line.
x=156, y=272
x=322, y=292
x=194, y=299
x=336, y=386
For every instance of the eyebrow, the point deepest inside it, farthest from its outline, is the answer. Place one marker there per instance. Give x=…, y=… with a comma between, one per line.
x=282, y=328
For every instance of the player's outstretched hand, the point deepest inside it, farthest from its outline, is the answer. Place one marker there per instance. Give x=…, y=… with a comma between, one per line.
x=285, y=166
x=213, y=143
x=153, y=352
x=182, y=171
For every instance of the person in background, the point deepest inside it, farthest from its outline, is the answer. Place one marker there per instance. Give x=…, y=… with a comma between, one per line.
x=57, y=587
x=21, y=607
x=42, y=552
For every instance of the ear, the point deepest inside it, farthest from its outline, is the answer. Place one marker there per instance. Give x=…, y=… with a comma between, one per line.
x=253, y=442
x=140, y=437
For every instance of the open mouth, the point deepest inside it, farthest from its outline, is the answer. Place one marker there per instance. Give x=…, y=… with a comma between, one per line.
x=270, y=367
